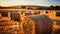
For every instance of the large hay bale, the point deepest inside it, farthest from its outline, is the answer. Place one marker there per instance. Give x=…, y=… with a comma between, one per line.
x=37, y=24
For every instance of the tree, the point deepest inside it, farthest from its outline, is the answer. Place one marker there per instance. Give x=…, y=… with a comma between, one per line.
x=57, y=7
x=51, y=7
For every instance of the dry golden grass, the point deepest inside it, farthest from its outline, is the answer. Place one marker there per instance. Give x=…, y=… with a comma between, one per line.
x=8, y=28
x=56, y=28
x=28, y=26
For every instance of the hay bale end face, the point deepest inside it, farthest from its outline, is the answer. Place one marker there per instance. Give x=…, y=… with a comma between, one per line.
x=28, y=26
x=37, y=24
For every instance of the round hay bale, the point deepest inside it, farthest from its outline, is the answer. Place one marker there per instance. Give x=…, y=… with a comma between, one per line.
x=37, y=24
x=15, y=16
x=28, y=26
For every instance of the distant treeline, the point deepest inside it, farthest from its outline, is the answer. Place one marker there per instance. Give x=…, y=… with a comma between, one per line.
x=49, y=8
x=33, y=7
x=53, y=8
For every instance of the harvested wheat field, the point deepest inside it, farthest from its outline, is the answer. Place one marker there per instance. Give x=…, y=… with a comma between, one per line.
x=36, y=24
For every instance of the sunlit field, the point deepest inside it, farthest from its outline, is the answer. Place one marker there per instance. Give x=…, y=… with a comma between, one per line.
x=29, y=16
x=21, y=22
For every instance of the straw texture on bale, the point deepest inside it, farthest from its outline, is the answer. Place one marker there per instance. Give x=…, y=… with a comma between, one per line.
x=28, y=27
x=37, y=24
x=8, y=28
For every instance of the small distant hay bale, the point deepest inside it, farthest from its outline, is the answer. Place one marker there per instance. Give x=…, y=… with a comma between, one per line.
x=37, y=24
x=28, y=13
x=15, y=16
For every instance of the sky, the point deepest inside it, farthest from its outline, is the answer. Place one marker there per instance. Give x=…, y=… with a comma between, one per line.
x=29, y=2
